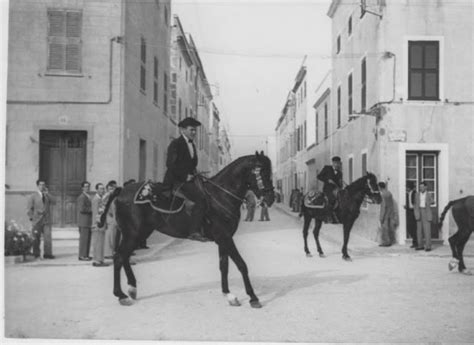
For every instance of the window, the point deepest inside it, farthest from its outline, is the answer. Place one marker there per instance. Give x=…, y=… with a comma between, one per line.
x=64, y=41
x=326, y=129
x=180, y=106
x=317, y=128
x=155, y=80
x=166, y=15
x=339, y=107
x=143, y=65
x=338, y=44
x=165, y=93
x=364, y=172
x=180, y=62
x=423, y=70
x=349, y=26
x=350, y=168
x=349, y=94
x=363, y=85
x=155, y=162
x=185, y=112
x=304, y=134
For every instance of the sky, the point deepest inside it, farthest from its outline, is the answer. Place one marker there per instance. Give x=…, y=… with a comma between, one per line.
x=251, y=52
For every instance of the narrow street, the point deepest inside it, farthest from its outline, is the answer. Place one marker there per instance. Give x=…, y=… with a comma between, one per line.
x=384, y=295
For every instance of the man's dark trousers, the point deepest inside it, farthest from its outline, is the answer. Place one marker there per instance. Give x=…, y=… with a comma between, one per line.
x=411, y=226
x=192, y=192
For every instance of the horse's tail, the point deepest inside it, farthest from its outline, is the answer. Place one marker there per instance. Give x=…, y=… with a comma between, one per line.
x=103, y=217
x=446, y=209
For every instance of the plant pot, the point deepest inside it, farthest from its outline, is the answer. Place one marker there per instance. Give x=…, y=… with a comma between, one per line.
x=14, y=259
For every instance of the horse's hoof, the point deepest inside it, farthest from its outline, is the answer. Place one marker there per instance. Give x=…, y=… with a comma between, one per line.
x=452, y=265
x=234, y=302
x=126, y=301
x=309, y=255
x=255, y=304
x=321, y=255
x=346, y=258
x=132, y=291
x=466, y=272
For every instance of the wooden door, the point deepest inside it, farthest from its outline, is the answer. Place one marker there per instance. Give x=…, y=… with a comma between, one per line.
x=63, y=167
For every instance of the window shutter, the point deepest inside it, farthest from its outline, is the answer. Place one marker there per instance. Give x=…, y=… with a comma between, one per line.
x=73, y=53
x=64, y=40
x=56, y=56
x=73, y=24
x=57, y=23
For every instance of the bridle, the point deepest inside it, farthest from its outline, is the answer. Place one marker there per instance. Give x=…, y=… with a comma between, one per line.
x=368, y=196
x=258, y=178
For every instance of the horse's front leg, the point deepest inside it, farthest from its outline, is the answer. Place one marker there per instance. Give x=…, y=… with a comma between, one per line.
x=224, y=267
x=347, y=226
x=307, y=221
x=317, y=227
x=234, y=254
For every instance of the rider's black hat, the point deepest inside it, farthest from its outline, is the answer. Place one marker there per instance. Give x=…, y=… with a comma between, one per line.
x=336, y=159
x=189, y=121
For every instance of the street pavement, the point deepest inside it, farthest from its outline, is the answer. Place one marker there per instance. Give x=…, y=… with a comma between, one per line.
x=390, y=294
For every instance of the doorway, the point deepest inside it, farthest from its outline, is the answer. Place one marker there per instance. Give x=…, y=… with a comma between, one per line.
x=62, y=165
x=423, y=166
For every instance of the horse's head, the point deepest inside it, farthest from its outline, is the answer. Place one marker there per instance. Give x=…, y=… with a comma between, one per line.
x=372, y=188
x=259, y=179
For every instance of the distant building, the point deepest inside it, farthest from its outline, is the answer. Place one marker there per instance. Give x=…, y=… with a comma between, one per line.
x=88, y=97
x=291, y=170
x=225, y=156
x=191, y=94
x=214, y=140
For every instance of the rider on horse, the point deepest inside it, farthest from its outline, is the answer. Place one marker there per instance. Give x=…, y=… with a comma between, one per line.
x=181, y=166
x=332, y=178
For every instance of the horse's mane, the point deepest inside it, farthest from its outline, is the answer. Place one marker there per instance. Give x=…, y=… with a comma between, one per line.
x=231, y=166
x=355, y=186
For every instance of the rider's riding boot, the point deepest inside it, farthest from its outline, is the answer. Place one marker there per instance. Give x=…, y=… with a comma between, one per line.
x=335, y=219
x=197, y=236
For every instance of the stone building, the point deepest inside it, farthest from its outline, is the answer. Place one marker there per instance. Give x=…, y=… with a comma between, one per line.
x=87, y=97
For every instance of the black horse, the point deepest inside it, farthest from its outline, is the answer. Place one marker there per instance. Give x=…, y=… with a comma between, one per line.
x=463, y=214
x=225, y=192
x=350, y=199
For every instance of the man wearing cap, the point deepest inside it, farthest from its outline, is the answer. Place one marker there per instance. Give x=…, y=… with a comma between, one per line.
x=332, y=178
x=181, y=164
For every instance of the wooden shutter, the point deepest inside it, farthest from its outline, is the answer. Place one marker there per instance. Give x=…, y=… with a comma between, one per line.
x=64, y=40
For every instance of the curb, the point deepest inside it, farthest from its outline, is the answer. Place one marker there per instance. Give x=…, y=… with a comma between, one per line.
x=163, y=242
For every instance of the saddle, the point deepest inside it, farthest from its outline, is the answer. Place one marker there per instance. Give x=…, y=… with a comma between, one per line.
x=315, y=199
x=161, y=197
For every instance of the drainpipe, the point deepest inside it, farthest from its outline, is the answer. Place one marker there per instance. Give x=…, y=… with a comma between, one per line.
x=118, y=39
x=387, y=55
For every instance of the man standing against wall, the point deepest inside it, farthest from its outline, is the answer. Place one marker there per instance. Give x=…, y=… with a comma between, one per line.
x=39, y=213
x=409, y=206
x=423, y=217
x=387, y=217
x=84, y=221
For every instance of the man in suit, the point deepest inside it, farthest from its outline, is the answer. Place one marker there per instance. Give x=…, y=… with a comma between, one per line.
x=409, y=207
x=181, y=163
x=424, y=217
x=111, y=232
x=251, y=203
x=84, y=221
x=39, y=213
x=387, y=216
x=98, y=234
x=332, y=178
